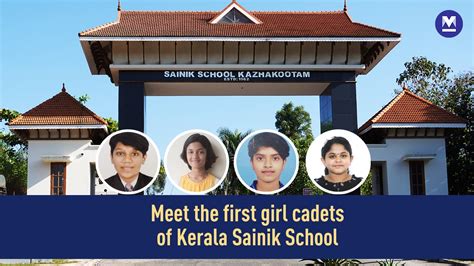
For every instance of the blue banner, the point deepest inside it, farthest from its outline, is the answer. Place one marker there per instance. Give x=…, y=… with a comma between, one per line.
x=237, y=227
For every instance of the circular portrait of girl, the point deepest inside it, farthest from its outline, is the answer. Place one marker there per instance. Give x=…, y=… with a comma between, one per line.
x=196, y=162
x=266, y=162
x=127, y=162
x=338, y=162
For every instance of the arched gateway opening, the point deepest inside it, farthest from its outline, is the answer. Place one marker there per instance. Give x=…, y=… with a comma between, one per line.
x=236, y=52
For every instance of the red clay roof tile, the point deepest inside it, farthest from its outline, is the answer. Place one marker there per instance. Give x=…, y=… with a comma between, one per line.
x=61, y=109
x=196, y=24
x=410, y=108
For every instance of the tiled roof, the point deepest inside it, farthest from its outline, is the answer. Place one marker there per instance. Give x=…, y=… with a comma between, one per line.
x=196, y=24
x=61, y=109
x=409, y=108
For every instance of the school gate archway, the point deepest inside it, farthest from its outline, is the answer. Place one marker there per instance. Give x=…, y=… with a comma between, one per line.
x=236, y=52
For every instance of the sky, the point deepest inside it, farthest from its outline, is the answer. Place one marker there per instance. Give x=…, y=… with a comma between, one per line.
x=40, y=50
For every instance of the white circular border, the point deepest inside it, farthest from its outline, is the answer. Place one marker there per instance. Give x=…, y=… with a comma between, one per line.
x=207, y=134
x=106, y=141
x=297, y=159
x=314, y=151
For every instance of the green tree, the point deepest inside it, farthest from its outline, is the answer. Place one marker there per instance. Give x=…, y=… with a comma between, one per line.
x=83, y=99
x=12, y=140
x=7, y=114
x=454, y=93
x=14, y=166
x=112, y=124
x=159, y=184
x=295, y=123
x=231, y=184
x=366, y=187
x=426, y=79
x=13, y=157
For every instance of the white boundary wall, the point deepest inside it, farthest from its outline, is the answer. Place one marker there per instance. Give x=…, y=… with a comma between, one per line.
x=398, y=176
x=80, y=152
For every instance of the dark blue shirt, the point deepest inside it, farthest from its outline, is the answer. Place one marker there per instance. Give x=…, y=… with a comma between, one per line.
x=254, y=185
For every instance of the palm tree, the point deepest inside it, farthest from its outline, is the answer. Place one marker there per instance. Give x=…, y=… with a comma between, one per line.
x=231, y=184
